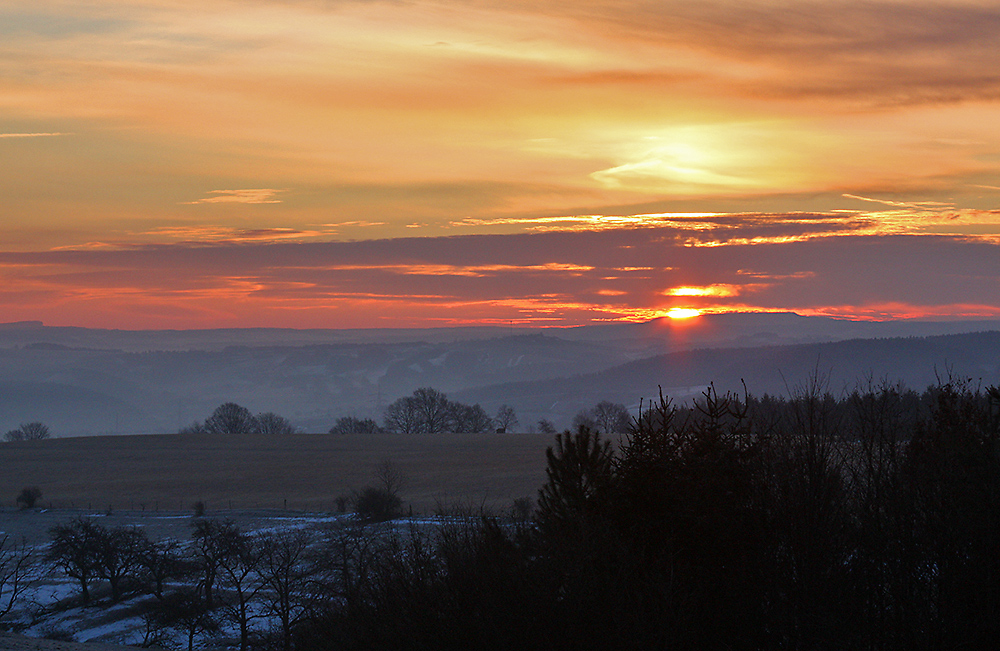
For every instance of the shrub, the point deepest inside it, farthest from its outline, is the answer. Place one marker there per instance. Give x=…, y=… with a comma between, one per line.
x=29, y=496
x=377, y=504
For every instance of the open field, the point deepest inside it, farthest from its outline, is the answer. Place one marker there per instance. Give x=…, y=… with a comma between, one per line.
x=301, y=472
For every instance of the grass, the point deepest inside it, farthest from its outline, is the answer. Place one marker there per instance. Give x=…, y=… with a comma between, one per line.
x=304, y=472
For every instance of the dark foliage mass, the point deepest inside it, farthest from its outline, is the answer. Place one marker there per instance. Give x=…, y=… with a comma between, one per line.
x=29, y=496
x=866, y=522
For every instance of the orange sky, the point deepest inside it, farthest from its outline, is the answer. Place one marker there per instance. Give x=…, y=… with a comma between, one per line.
x=351, y=164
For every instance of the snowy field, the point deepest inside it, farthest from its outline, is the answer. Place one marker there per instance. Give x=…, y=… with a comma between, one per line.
x=52, y=607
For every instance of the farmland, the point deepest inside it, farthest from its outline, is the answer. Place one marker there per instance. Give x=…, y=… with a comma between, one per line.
x=300, y=472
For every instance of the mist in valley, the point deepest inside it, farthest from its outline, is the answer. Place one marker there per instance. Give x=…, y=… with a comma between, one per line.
x=83, y=382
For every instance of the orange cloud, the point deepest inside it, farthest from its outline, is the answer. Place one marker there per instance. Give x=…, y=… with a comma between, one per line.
x=32, y=135
x=711, y=290
x=259, y=195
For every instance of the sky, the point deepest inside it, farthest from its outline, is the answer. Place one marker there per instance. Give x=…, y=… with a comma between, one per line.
x=355, y=164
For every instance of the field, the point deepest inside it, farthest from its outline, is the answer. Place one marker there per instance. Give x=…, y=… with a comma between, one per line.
x=261, y=483
x=301, y=472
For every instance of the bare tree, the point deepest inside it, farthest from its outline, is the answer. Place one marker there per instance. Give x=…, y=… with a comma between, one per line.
x=471, y=419
x=611, y=417
x=273, y=424
x=17, y=571
x=117, y=555
x=434, y=410
x=231, y=418
x=291, y=579
x=506, y=417
x=185, y=611
x=237, y=572
x=546, y=426
x=212, y=545
x=34, y=431
x=160, y=562
x=402, y=416
x=72, y=551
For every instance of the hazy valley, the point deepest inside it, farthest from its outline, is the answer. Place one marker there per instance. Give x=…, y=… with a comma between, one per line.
x=85, y=382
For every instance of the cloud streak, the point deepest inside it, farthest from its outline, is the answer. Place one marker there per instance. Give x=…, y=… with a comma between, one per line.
x=253, y=196
x=32, y=135
x=561, y=278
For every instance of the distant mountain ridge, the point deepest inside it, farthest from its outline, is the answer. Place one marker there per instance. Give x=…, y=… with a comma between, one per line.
x=917, y=362
x=84, y=381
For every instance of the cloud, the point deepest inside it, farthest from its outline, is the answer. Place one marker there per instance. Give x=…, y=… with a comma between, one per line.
x=32, y=135
x=553, y=277
x=260, y=195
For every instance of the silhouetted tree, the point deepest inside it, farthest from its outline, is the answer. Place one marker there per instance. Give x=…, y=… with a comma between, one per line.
x=580, y=476
x=506, y=418
x=73, y=549
x=546, y=426
x=160, y=561
x=434, y=410
x=117, y=555
x=382, y=501
x=611, y=417
x=291, y=580
x=34, y=431
x=584, y=418
x=428, y=411
x=17, y=573
x=237, y=573
x=472, y=419
x=403, y=416
x=185, y=611
x=196, y=427
x=231, y=418
x=213, y=544
x=353, y=425
x=273, y=424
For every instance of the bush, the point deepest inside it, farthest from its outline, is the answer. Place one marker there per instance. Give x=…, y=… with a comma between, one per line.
x=377, y=504
x=29, y=496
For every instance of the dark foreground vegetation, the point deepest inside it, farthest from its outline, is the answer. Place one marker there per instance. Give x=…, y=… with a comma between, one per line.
x=870, y=522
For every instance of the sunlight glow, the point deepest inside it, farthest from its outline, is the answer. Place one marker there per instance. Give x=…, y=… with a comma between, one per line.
x=710, y=290
x=682, y=313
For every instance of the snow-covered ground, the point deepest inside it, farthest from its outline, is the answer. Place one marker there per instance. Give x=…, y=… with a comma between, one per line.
x=52, y=607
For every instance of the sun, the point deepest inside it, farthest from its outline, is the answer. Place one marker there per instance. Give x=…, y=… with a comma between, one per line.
x=683, y=313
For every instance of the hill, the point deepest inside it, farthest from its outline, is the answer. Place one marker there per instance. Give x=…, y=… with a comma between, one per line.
x=777, y=370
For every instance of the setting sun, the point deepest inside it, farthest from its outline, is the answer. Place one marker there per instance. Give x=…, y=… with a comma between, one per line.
x=683, y=313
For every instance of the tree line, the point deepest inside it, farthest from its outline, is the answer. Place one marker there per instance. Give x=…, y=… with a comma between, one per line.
x=430, y=411
x=231, y=418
